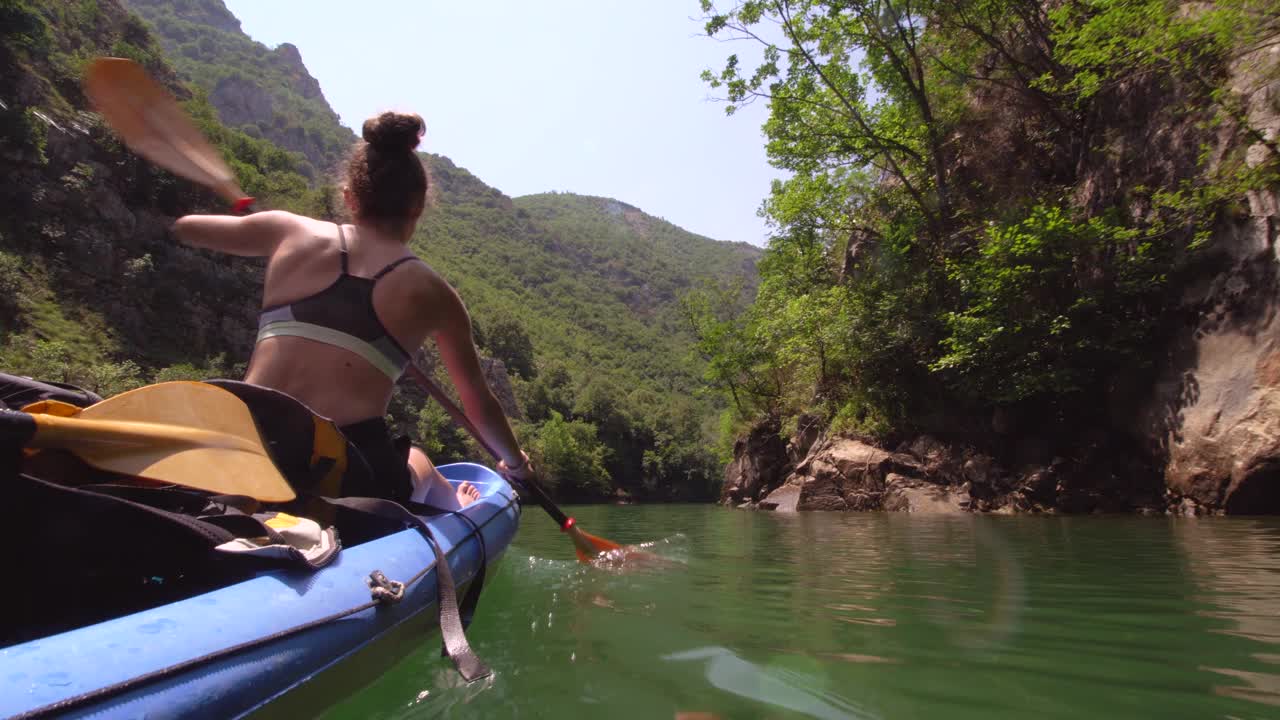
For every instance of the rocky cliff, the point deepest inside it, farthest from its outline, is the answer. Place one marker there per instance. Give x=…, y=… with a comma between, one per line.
x=265, y=92
x=1201, y=434
x=1214, y=416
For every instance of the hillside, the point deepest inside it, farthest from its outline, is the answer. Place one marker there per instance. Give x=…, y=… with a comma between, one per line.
x=596, y=293
x=95, y=291
x=576, y=297
x=262, y=92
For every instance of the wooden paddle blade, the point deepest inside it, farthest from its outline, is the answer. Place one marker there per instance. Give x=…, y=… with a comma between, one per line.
x=150, y=122
x=185, y=433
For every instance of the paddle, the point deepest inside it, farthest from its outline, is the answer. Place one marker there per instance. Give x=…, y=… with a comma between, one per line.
x=150, y=122
x=181, y=433
x=585, y=545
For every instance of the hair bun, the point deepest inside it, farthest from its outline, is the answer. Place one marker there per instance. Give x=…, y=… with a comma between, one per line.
x=394, y=131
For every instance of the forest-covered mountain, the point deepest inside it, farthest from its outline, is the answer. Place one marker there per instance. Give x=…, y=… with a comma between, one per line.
x=576, y=296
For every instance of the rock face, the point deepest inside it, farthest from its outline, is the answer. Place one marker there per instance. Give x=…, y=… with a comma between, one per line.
x=265, y=92
x=784, y=499
x=848, y=475
x=759, y=463
x=904, y=494
x=1215, y=417
x=929, y=476
x=1217, y=412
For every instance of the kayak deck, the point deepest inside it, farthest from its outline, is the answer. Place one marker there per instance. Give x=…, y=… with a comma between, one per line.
x=227, y=652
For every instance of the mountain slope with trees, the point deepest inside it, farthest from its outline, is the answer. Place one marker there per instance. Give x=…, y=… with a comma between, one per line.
x=577, y=302
x=262, y=92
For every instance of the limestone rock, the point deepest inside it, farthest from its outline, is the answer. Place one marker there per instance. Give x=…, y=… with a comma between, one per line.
x=808, y=429
x=1217, y=410
x=758, y=464
x=917, y=496
x=848, y=474
x=1217, y=413
x=784, y=499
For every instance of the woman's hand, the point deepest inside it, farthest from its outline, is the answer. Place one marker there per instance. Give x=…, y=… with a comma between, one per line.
x=520, y=471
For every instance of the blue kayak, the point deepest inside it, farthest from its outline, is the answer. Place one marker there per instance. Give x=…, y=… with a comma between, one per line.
x=232, y=651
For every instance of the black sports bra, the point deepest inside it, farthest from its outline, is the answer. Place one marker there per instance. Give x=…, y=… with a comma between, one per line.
x=341, y=315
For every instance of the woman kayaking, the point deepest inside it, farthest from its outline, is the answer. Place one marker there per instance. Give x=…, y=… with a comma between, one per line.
x=344, y=306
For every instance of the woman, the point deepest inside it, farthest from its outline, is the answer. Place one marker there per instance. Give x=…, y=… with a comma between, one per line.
x=345, y=305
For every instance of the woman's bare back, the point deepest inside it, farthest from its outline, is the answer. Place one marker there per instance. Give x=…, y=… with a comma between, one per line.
x=334, y=381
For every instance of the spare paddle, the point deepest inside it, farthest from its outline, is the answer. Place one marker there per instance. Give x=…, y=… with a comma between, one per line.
x=587, y=546
x=152, y=124
x=182, y=433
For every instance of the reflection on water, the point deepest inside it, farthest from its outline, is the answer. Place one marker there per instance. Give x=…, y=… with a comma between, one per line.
x=1237, y=568
x=870, y=616
x=780, y=688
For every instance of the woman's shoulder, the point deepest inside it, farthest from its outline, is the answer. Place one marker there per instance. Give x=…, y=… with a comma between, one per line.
x=301, y=231
x=293, y=221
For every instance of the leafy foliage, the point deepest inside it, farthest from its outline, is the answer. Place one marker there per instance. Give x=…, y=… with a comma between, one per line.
x=571, y=456
x=973, y=219
x=1050, y=328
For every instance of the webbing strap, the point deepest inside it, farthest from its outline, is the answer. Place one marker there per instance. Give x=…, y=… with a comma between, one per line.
x=472, y=599
x=207, y=532
x=456, y=646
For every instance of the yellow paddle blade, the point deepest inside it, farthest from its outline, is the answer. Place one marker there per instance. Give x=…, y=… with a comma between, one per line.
x=150, y=122
x=184, y=433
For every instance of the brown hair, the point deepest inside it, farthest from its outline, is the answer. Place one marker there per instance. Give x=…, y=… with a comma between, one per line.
x=384, y=173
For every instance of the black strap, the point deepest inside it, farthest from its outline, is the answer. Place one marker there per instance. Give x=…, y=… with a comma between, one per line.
x=456, y=646
x=342, y=247
x=392, y=266
x=212, y=534
x=472, y=598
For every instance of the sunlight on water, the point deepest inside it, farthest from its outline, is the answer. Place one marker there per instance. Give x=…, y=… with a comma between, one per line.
x=746, y=615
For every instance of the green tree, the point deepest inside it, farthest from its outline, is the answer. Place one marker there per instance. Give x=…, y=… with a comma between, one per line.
x=570, y=457
x=506, y=340
x=849, y=84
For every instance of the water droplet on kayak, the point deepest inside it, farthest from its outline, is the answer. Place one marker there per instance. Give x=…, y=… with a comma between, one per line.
x=159, y=626
x=59, y=679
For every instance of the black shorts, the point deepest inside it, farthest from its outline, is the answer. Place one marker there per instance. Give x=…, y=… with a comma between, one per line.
x=387, y=458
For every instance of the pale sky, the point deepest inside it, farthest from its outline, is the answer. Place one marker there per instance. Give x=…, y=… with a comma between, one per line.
x=599, y=97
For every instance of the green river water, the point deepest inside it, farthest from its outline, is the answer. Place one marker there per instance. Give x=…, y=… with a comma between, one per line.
x=867, y=616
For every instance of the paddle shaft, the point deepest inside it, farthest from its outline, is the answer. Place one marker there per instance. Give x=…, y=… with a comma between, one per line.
x=564, y=521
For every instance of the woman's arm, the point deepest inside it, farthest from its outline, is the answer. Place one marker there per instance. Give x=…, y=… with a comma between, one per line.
x=256, y=235
x=458, y=350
